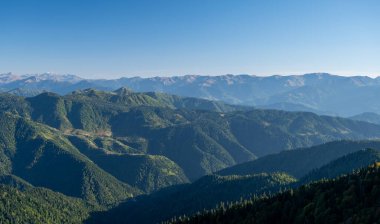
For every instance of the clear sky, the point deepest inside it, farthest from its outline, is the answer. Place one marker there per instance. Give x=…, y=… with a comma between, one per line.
x=109, y=38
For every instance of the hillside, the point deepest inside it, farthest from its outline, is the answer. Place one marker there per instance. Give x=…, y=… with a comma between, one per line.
x=106, y=147
x=300, y=161
x=205, y=193
x=76, y=166
x=293, y=107
x=45, y=158
x=39, y=205
x=367, y=117
x=343, y=165
x=353, y=198
x=213, y=190
x=145, y=172
x=196, y=136
x=234, y=134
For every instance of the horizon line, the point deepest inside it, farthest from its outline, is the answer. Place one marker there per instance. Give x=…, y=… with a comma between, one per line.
x=113, y=77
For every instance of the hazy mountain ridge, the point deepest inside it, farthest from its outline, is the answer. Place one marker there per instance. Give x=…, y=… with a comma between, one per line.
x=315, y=92
x=368, y=117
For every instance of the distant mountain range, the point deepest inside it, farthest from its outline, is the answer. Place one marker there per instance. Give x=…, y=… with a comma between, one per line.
x=320, y=93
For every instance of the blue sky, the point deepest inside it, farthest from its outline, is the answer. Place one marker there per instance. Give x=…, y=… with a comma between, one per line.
x=109, y=38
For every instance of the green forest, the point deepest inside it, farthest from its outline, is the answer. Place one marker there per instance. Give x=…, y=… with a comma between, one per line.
x=352, y=198
x=97, y=157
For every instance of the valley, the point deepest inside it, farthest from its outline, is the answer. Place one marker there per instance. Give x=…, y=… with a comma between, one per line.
x=95, y=149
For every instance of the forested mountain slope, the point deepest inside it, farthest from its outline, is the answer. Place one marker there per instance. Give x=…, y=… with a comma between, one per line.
x=210, y=191
x=107, y=147
x=300, y=161
x=39, y=205
x=204, y=193
x=198, y=141
x=350, y=199
x=44, y=157
x=343, y=165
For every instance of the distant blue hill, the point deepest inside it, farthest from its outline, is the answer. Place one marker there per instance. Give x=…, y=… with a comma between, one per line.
x=368, y=117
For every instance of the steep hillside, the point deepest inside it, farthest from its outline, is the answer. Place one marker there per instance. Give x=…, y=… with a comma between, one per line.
x=349, y=199
x=266, y=131
x=39, y=205
x=45, y=158
x=145, y=172
x=14, y=104
x=198, y=141
x=343, y=165
x=367, y=117
x=205, y=193
x=301, y=161
x=212, y=190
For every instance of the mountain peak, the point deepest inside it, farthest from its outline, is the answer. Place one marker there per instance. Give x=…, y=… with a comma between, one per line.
x=123, y=91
